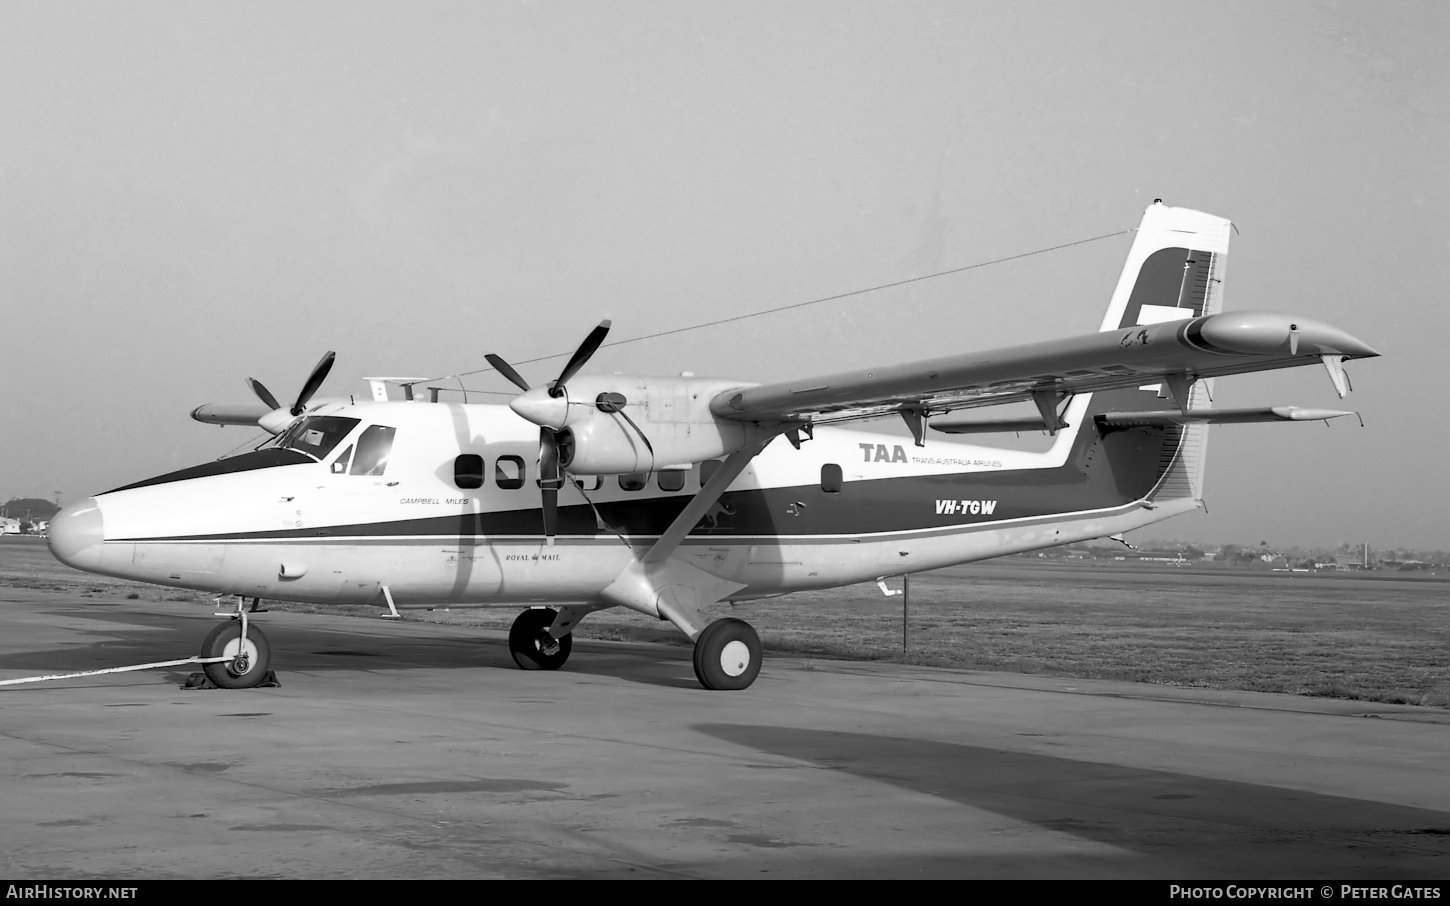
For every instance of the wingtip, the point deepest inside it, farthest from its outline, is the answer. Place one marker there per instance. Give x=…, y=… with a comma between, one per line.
x=1269, y=332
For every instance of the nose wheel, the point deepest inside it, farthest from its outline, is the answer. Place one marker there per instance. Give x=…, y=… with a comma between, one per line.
x=247, y=659
x=532, y=646
x=727, y=655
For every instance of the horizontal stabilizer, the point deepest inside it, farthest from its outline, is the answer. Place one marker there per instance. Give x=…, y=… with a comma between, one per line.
x=230, y=413
x=1166, y=417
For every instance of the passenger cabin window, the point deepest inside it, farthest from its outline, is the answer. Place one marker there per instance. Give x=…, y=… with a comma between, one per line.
x=588, y=482
x=672, y=480
x=468, y=471
x=373, y=449
x=831, y=478
x=508, y=472
x=339, y=465
x=316, y=435
x=634, y=481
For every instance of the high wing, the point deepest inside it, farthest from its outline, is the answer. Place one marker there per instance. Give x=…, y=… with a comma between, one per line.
x=1163, y=326
x=1212, y=346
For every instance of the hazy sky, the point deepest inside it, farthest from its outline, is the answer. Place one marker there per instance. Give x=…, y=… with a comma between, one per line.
x=192, y=193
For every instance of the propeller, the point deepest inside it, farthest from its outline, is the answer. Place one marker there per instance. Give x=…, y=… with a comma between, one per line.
x=274, y=421
x=549, y=411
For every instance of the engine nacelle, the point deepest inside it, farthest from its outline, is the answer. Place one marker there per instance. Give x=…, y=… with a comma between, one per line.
x=674, y=413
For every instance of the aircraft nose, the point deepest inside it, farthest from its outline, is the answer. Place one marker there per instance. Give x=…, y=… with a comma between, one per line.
x=76, y=534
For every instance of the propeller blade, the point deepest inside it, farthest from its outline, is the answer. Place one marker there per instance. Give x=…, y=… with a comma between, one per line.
x=263, y=393
x=586, y=349
x=548, y=456
x=551, y=513
x=319, y=374
x=507, y=370
x=550, y=480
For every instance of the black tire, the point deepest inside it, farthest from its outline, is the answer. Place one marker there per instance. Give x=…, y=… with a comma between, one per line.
x=528, y=635
x=225, y=673
x=727, y=655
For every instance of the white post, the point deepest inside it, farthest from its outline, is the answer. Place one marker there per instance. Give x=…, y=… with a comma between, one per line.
x=905, y=609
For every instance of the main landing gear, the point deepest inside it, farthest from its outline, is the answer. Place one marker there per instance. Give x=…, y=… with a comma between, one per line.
x=247, y=656
x=727, y=655
x=727, y=652
x=532, y=646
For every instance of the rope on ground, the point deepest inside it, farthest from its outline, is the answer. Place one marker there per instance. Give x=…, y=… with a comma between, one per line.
x=59, y=676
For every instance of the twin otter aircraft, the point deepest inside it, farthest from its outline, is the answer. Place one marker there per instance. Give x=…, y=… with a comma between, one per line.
x=665, y=495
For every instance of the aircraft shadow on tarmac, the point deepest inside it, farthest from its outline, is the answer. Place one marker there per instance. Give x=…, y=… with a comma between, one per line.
x=1191, y=826
x=124, y=637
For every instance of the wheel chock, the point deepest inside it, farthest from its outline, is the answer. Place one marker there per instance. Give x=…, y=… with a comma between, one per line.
x=202, y=681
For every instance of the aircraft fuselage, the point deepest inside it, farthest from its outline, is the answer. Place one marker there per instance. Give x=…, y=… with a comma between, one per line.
x=450, y=513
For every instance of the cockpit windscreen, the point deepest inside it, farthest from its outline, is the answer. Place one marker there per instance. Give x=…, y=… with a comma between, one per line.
x=316, y=435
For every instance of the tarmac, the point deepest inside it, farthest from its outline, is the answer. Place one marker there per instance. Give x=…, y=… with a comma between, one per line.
x=414, y=750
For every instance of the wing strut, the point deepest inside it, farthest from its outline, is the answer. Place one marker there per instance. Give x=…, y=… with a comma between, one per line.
x=695, y=510
x=660, y=586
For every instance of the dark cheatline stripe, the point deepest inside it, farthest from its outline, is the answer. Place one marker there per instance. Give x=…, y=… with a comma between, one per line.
x=258, y=459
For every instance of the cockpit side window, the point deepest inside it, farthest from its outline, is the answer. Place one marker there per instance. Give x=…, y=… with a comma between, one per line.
x=373, y=448
x=316, y=435
x=339, y=465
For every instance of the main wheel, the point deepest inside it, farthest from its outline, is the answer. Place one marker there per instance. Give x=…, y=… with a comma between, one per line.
x=727, y=655
x=532, y=646
x=246, y=664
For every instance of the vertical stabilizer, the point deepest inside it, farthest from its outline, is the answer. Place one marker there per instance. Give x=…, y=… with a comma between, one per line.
x=1158, y=275
x=1175, y=271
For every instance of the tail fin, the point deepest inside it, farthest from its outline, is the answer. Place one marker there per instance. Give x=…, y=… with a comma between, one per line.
x=1175, y=271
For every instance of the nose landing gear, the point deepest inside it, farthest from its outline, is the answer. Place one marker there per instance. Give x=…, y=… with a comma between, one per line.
x=246, y=656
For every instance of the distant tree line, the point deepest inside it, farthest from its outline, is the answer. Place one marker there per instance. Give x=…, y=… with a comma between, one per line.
x=38, y=507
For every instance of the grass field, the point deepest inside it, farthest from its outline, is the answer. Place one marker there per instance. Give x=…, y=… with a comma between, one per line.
x=1376, y=637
